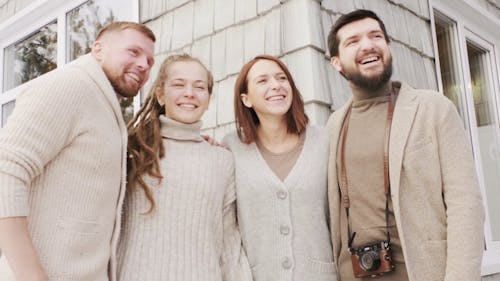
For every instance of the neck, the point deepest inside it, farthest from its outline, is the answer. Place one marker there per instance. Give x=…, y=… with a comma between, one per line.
x=362, y=93
x=275, y=137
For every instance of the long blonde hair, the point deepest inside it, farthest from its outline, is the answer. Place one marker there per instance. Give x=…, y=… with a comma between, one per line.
x=145, y=146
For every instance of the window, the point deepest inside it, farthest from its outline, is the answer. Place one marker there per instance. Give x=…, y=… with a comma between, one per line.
x=449, y=65
x=467, y=43
x=31, y=57
x=50, y=33
x=485, y=119
x=7, y=110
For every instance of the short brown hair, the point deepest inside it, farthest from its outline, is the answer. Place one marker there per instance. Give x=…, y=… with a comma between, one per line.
x=246, y=118
x=333, y=40
x=122, y=25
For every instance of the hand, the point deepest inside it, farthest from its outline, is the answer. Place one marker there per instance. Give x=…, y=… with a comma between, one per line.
x=212, y=141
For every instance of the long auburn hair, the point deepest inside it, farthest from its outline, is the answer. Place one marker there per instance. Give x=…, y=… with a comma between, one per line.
x=145, y=146
x=247, y=120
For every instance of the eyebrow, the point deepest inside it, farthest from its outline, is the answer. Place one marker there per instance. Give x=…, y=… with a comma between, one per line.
x=185, y=80
x=359, y=35
x=273, y=74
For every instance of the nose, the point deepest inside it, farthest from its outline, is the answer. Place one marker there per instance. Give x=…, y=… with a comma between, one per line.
x=275, y=84
x=188, y=91
x=366, y=44
x=142, y=63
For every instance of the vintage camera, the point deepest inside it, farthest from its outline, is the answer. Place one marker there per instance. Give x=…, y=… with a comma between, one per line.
x=371, y=260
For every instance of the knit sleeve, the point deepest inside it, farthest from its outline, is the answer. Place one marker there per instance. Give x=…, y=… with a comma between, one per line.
x=235, y=266
x=38, y=129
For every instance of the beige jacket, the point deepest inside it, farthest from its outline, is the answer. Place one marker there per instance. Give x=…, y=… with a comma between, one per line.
x=436, y=198
x=62, y=164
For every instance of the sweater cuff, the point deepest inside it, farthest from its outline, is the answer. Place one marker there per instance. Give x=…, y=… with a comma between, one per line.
x=13, y=197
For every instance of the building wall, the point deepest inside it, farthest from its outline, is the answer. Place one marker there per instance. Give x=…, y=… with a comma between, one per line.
x=225, y=34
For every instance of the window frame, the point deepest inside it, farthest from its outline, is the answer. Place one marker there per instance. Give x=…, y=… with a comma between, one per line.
x=31, y=19
x=474, y=24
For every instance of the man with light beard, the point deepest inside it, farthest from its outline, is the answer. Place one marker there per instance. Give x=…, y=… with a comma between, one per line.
x=403, y=193
x=63, y=162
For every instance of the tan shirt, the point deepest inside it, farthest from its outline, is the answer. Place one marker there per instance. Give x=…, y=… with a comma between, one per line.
x=282, y=163
x=365, y=175
x=436, y=197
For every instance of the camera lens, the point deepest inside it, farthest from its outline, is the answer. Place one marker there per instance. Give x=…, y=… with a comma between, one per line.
x=369, y=260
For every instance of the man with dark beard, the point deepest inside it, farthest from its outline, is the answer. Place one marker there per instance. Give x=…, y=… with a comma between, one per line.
x=403, y=193
x=63, y=162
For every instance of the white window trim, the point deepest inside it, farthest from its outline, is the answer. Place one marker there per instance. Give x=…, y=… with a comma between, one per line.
x=35, y=16
x=474, y=23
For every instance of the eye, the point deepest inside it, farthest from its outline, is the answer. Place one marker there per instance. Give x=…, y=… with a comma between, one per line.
x=133, y=52
x=261, y=81
x=351, y=42
x=282, y=78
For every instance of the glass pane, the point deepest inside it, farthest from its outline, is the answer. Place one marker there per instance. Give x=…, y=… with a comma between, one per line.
x=448, y=61
x=84, y=22
x=489, y=143
x=30, y=57
x=7, y=109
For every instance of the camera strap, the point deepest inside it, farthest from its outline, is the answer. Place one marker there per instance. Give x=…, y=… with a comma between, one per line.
x=343, y=175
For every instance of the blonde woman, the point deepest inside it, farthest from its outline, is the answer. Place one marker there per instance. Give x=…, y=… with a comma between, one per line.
x=180, y=216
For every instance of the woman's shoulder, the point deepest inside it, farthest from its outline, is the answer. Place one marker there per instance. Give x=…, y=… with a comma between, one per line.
x=317, y=132
x=231, y=140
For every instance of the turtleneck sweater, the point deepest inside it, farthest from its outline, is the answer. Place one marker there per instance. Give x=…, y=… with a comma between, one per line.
x=192, y=234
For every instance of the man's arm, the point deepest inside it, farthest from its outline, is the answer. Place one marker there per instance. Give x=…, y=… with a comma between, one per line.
x=462, y=197
x=16, y=245
x=40, y=126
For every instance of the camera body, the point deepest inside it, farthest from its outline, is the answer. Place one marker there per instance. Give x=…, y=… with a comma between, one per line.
x=371, y=260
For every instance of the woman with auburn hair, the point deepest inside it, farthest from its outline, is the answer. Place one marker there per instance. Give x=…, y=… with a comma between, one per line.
x=281, y=177
x=180, y=211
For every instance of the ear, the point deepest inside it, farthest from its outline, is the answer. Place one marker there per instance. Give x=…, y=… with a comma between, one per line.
x=97, y=50
x=159, y=96
x=245, y=100
x=335, y=62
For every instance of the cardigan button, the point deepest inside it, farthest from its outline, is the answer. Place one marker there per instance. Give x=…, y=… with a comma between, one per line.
x=287, y=263
x=281, y=194
x=285, y=230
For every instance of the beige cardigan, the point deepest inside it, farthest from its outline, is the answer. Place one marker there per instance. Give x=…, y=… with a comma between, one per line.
x=284, y=225
x=436, y=199
x=62, y=165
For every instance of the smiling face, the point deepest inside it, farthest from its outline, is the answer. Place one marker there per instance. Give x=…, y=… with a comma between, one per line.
x=126, y=58
x=184, y=93
x=364, y=56
x=269, y=91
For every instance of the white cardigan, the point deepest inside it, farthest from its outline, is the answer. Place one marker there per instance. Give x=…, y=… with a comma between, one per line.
x=284, y=225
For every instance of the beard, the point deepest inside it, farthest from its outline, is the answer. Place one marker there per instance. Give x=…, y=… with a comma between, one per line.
x=119, y=84
x=370, y=83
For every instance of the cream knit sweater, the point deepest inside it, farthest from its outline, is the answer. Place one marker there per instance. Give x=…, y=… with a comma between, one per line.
x=192, y=234
x=284, y=225
x=62, y=165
